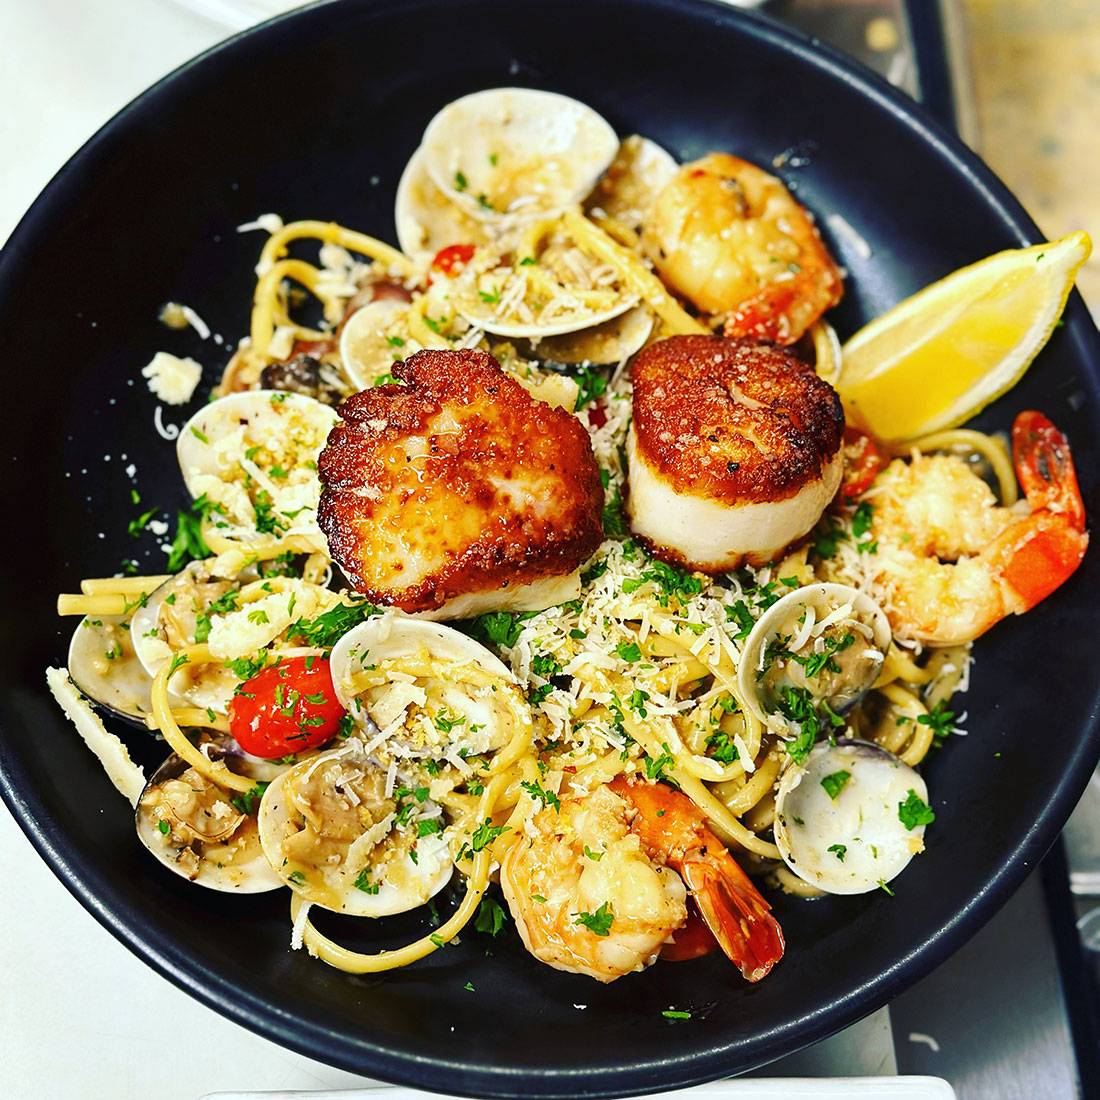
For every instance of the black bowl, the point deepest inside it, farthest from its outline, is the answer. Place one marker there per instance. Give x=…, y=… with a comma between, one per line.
x=314, y=115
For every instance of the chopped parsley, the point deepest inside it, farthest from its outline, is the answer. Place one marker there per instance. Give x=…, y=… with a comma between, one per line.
x=915, y=811
x=362, y=882
x=594, y=856
x=501, y=627
x=838, y=850
x=598, y=923
x=485, y=834
x=328, y=628
x=675, y=1014
x=490, y=917
x=248, y=801
x=297, y=877
x=614, y=521
x=797, y=706
x=629, y=651
x=446, y=723
x=592, y=384
x=461, y=183
x=721, y=748
x=814, y=663
x=542, y=664
x=740, y=614
x=188, y=543
x=827, y=537
x=942, y=723
x=835, y=783
x=537, y=792
x=655, y=769
x=668, y=580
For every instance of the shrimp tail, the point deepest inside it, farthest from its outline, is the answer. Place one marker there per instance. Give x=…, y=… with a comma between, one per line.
x=1044, y=466
x=734, y=911
x=1039, y=553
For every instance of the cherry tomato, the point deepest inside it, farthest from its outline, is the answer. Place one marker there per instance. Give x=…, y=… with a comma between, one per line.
x=691, y=941
x=453, y=258
x=597, y=415
x=862, y=462
x=286, y=708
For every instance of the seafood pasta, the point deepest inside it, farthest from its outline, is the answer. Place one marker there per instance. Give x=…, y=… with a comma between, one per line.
x=533, y=572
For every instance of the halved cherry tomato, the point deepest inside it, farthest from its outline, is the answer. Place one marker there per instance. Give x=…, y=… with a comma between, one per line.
x=690, y=942
x=597, y=415
x=862, y=461
x=453, y=258
x=286, y=708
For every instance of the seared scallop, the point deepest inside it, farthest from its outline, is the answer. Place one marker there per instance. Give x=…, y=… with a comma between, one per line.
x=734, y=451
x=455, y=492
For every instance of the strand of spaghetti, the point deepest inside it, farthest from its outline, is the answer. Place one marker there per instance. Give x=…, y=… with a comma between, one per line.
x=900, y=666
x=635, y=275
x=916, y=736
x=826, y=350
x=267, y=310
x=126, y=586
x=355, y=962
x=194, y=717
x=419, y=329
x=752, y=790
x=992, y=448
x=102, y=603
x=214, y=770
x=723, y=822
x=275, y=247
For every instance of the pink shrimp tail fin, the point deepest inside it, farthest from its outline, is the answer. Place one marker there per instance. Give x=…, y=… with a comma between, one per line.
x=734, y=911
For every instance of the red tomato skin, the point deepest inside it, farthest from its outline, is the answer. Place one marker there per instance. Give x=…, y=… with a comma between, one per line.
x=453, y=258
x=271, y=723
x=863, y=459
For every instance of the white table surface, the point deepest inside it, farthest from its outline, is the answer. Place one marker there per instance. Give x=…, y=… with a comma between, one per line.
x=80, y=1017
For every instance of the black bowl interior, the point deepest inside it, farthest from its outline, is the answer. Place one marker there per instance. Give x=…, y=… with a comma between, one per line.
x=314, y=116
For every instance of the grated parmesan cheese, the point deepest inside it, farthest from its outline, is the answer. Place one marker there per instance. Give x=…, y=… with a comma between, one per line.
x=171, y=379
x=128, y=778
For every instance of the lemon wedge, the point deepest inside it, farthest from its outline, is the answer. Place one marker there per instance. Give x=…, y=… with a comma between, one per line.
x=938, y=358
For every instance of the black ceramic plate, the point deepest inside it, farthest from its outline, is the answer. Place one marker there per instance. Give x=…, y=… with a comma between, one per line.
x=314, y=116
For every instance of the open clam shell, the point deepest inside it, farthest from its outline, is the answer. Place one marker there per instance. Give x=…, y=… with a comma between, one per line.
x=393, y=864
x=426, y=219
x=199, y=831
x=516, y=151
x=826, y=639
x=104, y=666
x=628, y=188
x=257, y=442
x=838, y=819
x=367, y=349
x=606, y=344
x=170, y=612
x=453, y=704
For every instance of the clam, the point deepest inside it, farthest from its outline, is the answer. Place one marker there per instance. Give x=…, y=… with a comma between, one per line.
x=167, y=621
x=202, y=832
x=606, y=344
x=253, y=456
x=635, y=177
x=844, y=822
x=516, y=151
x=103, y=664
x=367, y=347
x=431, y=690
x=827, y=640
x=382, y=849
x=425, y=217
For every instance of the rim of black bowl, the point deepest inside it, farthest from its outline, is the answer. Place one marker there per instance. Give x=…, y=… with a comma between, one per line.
x=677, y=1071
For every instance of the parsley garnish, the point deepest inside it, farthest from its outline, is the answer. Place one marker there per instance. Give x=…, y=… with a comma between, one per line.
x=838, y=850
x=915, y=811
x=598, y=923
x=490, y=917
x=675, y=1014
x=942, y=722
x=629, y=651
x=835, y=783
x=362, y=882
x=655, y=769
x=501, y=627
x=592, y=384
x=547, y=798
x=248, y=801
x=486, y=833
x=328, y=628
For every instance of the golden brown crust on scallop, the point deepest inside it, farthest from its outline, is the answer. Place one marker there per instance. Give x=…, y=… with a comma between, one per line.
x=456, y=482
x=733, y=420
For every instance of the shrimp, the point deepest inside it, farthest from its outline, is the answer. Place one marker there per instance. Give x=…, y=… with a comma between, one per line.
x=672, y=828
x=729, y=237
x=952, y=562
x=584, y=895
